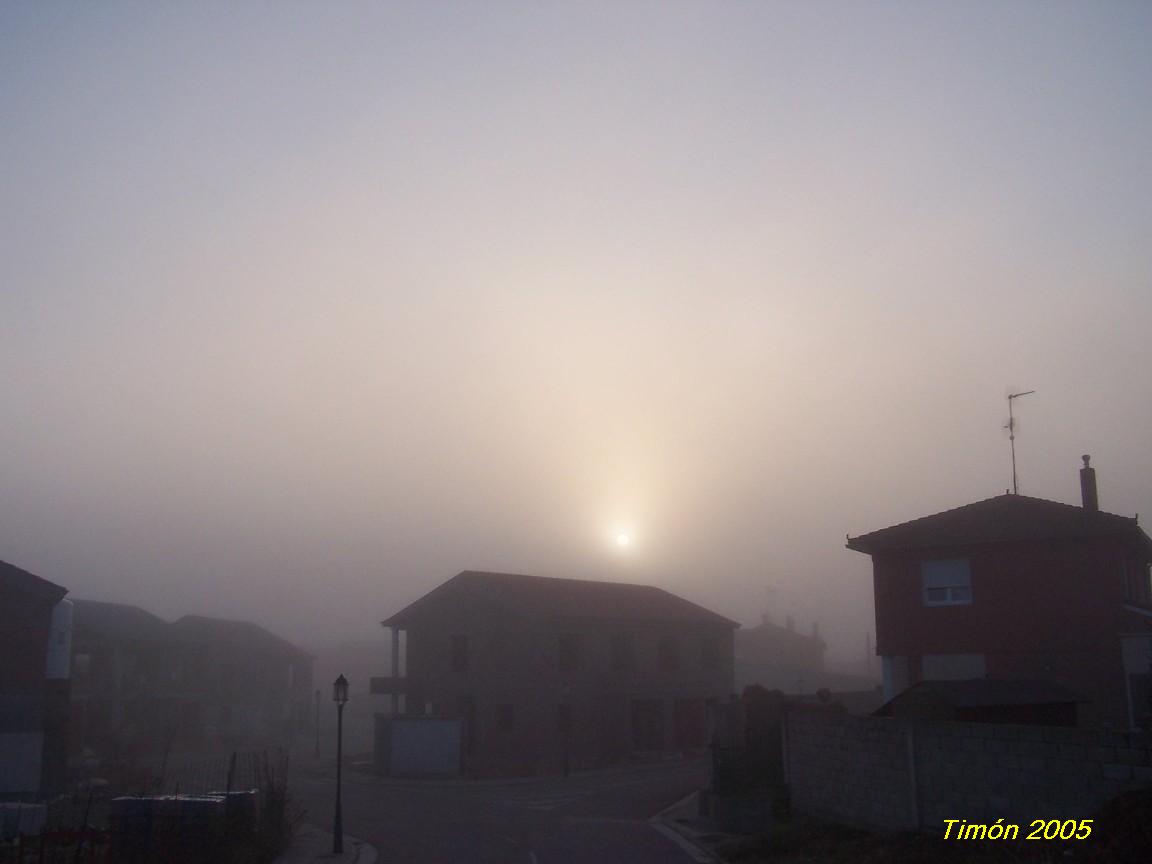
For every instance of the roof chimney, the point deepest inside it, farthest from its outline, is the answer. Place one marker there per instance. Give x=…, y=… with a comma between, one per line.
x=1088, y=486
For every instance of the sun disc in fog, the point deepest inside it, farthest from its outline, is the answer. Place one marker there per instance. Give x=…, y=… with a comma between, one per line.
x=623, y=539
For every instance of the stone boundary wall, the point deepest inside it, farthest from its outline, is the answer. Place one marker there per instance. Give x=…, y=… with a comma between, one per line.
x=889, y=774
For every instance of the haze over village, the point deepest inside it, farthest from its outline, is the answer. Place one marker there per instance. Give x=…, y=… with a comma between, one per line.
x=304, y=310
x=303, y=315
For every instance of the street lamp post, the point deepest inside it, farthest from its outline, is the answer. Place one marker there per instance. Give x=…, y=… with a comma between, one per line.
x=564, y=722
x=339, y=696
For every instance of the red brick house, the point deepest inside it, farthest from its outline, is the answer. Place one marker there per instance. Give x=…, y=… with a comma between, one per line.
x=1019, y=588
x=547, y=672
x=34, y=632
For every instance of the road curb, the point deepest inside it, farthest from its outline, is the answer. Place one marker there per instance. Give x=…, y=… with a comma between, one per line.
x=665, y=823
x=366, y=853
x=312, y=843
x=368, y=778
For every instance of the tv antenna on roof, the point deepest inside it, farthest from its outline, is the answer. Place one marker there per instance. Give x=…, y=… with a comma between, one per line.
x=1011, y=427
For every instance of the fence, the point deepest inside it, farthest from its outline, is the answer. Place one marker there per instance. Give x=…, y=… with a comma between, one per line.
x=895, y=774
x=168, y=811
x=199, y=775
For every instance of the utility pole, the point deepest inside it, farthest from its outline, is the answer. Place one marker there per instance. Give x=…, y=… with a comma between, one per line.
x=1011, y=427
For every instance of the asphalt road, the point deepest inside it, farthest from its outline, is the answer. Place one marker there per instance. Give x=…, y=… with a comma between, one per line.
x=594, y=818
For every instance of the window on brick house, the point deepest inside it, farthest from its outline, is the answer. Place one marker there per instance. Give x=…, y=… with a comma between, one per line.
x=505, y=718
x=568, y=652
x=623, y=652
x=668, y=651
x=564, y=718
x=1137, y=582
x=710, y=652
x=498, y=652
x=459, y=653
x=946, y=582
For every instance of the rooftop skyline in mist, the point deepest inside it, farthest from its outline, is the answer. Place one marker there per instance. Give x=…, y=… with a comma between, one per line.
x=304, y=309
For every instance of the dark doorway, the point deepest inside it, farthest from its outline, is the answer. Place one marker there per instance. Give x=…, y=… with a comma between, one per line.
x=647, y=724
x=689, y=720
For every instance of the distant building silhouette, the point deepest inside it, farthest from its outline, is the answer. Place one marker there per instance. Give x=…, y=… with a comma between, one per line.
x=550, y=673
x=127, y=688
x=779, y=658
x=1019, y=589
x=253, y=684
x=140, y=681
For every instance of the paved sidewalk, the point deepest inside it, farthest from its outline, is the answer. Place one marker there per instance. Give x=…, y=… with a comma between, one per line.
x=681, y=823
x=314, y=844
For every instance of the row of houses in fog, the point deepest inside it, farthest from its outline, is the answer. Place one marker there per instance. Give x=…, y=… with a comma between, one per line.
x=1012, y=609
x=193, y=682
x=112, y=680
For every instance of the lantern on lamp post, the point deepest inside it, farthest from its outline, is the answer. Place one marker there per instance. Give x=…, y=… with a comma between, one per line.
x=339, y=696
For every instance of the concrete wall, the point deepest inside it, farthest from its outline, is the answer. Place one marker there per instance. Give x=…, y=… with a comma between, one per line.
x=889, y=774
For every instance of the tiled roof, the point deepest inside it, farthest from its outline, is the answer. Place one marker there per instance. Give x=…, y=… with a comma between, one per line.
x=15, y=580
x=560, y=598
x=986, y=693
x=1003, y=519
x=241, y=635
x=122, y=621
x=117, y=621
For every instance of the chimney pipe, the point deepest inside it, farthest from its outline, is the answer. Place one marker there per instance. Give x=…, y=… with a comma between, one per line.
x=1088, y=486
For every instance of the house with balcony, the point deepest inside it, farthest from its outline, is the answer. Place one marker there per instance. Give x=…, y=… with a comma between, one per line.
x=141, y=682
x=1053, y=602
x=251, y=684
x=545, y=674
x=127, y=691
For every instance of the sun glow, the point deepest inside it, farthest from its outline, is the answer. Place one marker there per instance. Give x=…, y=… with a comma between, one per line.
x=623, y=539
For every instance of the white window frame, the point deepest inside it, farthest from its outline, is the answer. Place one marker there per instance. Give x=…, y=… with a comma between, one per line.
x=946, y=582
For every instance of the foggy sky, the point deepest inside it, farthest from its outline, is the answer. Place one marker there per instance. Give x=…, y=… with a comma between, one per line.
x=306, y=307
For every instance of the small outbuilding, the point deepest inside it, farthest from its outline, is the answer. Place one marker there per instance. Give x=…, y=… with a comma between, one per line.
x=986, y=700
